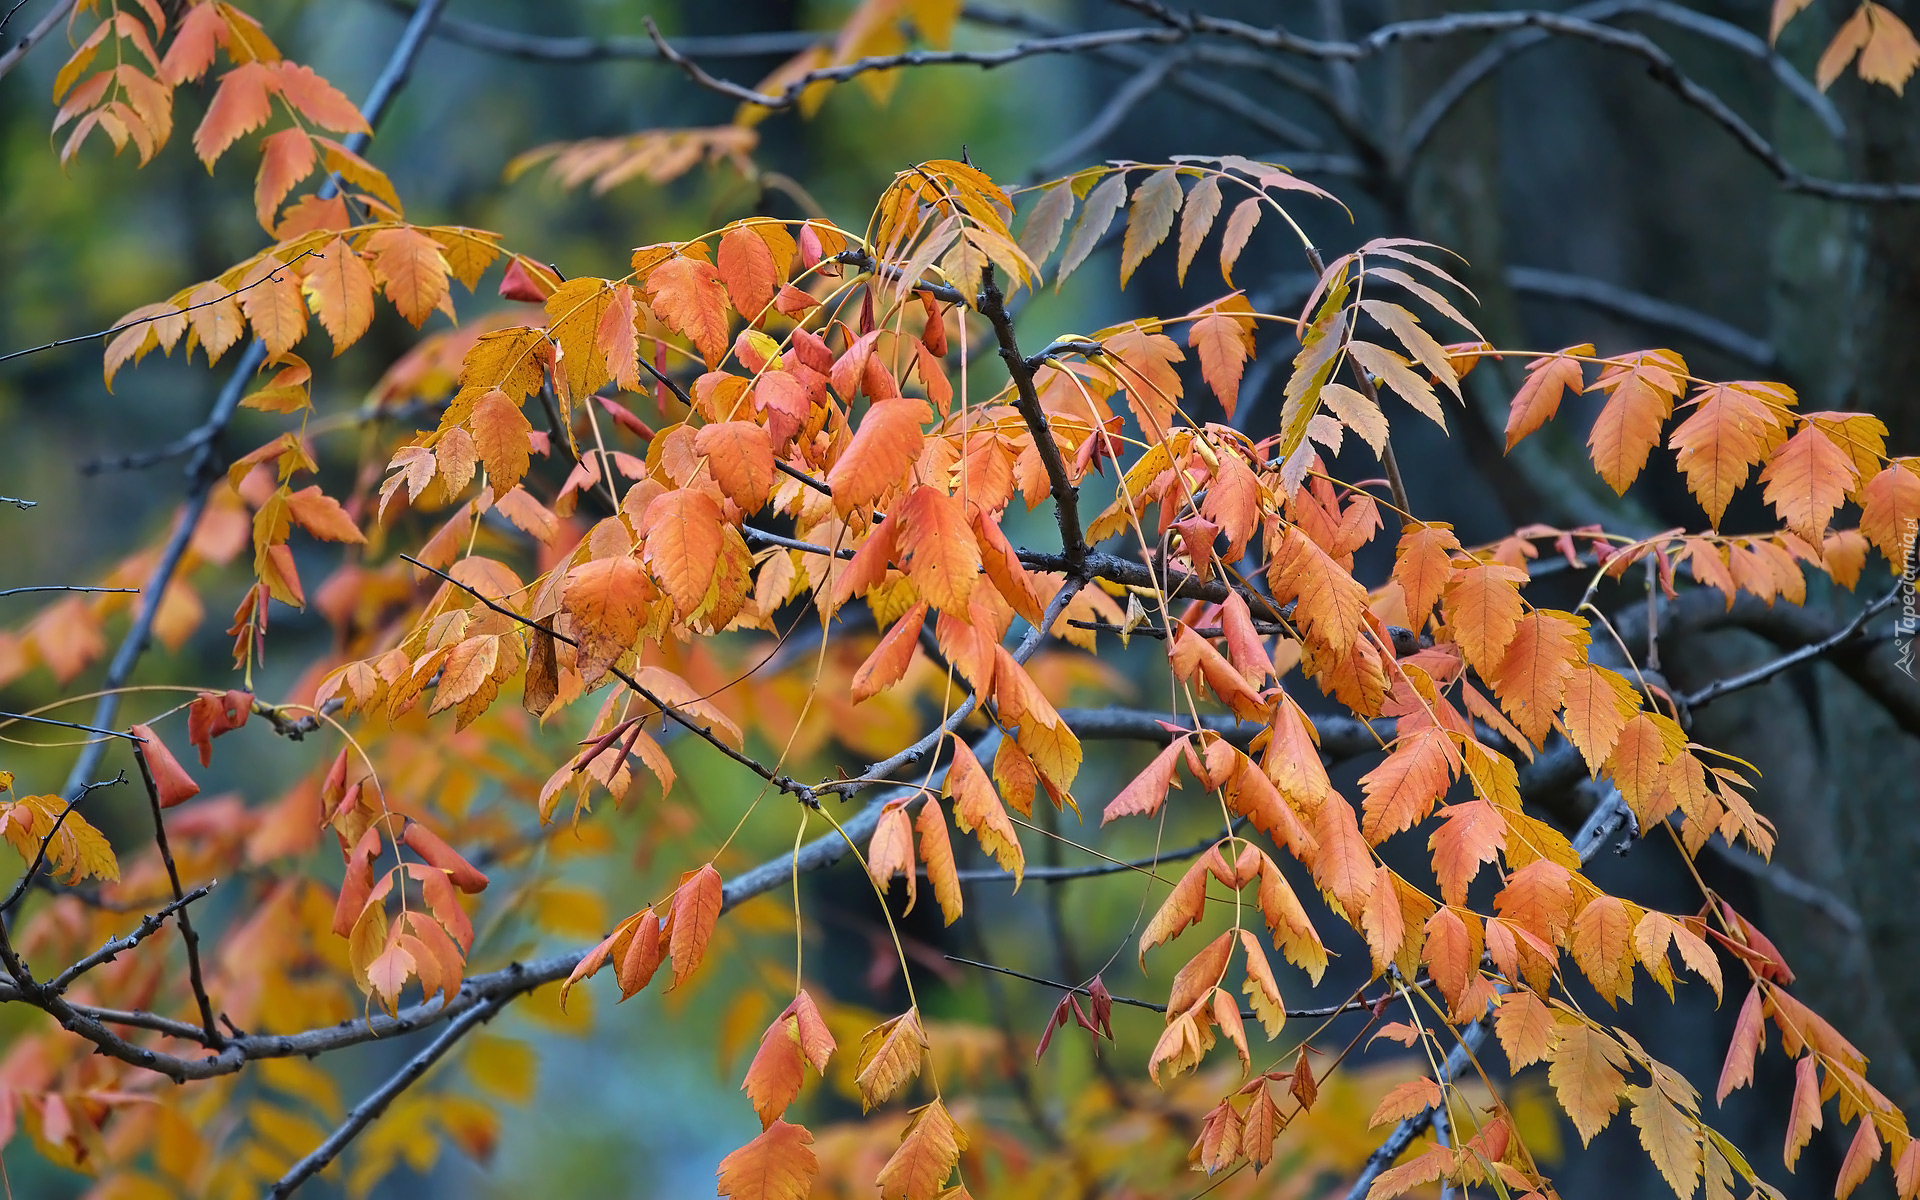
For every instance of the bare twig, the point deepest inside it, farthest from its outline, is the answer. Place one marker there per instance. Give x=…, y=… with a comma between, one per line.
x=363, y=1113
x=187, y=934
x=65, y=587
x=1122, y=101
x=1511, y=45
x=1332, y=1010
x=1766, y=671
x=1066, y=497
x=8, y=717
x=1078, y=43
x=542, y=48
x=114, y=947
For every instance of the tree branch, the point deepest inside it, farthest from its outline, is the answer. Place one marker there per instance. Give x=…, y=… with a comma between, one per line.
x=1645, y=310
x=363, y=1113
x=115, y=947
x=48, y=23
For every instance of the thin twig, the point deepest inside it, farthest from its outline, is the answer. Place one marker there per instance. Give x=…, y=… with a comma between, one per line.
x=363, y=1113
x=187, y=934
x=114, y=947
x=66, y=587
x=271, y=276
x=6, y=717
x=1332, y=1010
x=1765, y=671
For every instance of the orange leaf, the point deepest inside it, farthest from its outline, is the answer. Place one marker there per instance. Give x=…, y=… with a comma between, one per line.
x=1260, y=987
x=689, y=298
x=929, y=1150
x=1643, y=386
x=1749, y=1035
x=286, y=158
x=774, y=1166
x=1601, y=942
x=1803, y=1117
x=1292, y=931
x=414, y=270
x=891, y=657
x=1599, y=703
x=696, y=908
x=317, y=100
x=500, y=438
x=1482, y=608
x=747, y=269
x=1532, y=679
x=1730, y=431
x=1402, y=790
x=1224, y=338
x=886, y=443
x=1341, y=867
x=942, y=556
x=1585, y=1074
x=1525, y=1027
x=342, y=290
x=441, y=857
x=936, y=851
x=890, y=852
x=1330, y=604
x=774, y=1076
x=1889, y=505
x=606, y=599
x=1405, y=1100
x=684, y=534
x=241, y=105
x=1422, y=567
x=1807, y=480
x=890, y=1054
x=1184, y=906
x=170, y=779
x=1470, y=836
x=321, y=515
x=976, y=807
x=1539, y=397
x=1144, y=796
x=1669, y=1137
x=740, y=455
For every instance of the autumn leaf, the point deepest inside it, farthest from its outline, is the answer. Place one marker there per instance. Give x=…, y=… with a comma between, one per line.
x=887, y=440
x=688, y=296
x=1669, y=1138
x=929, y=1150
x=1155, y=202
x=1584, y=1069
x=942, y=557
x=1539, y=397
x=500, y=439
x=1807, y=480
x=890, y=1054
x=777, y=1165
x=741, y=458
x=1403, y=789
x=341, y=289
x=1148, y=790
x=413, y=271
x=1730, y=431
x=684, y=537
x=977, y=810
x=936, y=851
x=170, y=779
x=696, y=908
x=1641, y=390
x=1224, y=339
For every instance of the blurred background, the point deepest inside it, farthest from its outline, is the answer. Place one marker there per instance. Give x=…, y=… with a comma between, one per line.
x=1589, y=205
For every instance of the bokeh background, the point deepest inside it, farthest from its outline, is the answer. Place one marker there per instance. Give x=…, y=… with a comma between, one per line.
x=1589, y=206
